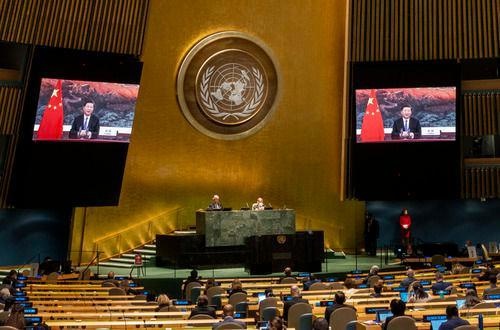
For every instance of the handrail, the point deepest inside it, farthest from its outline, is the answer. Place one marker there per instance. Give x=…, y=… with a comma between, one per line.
x=138, y=234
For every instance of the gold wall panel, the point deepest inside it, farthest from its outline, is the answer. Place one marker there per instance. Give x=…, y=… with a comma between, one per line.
x=294, y=160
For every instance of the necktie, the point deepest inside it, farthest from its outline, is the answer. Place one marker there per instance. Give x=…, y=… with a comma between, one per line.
x=86, y=123
x=406, y=125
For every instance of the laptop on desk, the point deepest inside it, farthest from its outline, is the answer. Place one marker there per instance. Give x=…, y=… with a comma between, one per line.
x=382, y=315
x=435, y=320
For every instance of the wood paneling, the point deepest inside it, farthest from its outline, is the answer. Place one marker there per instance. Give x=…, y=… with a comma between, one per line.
x=388, y=30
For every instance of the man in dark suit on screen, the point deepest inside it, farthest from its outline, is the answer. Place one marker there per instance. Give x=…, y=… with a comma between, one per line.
x=406, y=127
x=86, y=125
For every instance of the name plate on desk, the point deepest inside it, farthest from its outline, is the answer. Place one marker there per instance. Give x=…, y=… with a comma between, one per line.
x=229, y=228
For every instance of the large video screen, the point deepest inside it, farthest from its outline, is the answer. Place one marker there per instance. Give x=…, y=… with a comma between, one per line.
x=90, y=111
x=420, y=114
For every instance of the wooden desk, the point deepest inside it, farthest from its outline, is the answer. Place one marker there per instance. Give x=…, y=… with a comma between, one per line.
x=123, y=324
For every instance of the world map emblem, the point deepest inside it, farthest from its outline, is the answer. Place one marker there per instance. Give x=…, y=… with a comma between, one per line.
x=227, y=92
x=233, y=92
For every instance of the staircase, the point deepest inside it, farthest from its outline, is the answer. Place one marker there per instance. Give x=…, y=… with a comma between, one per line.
x=126, y=260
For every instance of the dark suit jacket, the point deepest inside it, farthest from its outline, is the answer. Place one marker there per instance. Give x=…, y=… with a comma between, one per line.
x=288, y=304
x=453, y=323
x=203, y=310
x=399, y=125
x=93, y=126
x=329, y=310
x=229, y=319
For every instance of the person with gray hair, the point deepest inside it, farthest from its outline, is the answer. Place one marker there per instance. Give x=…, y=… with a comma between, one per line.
x=410, y=278
x=296, y=298
x=216, y=204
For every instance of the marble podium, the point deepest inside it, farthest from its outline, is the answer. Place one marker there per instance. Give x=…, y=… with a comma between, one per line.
x=229, y=228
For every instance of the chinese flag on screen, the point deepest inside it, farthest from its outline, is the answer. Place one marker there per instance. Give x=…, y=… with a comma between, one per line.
x=372, y=128
x=51, y=125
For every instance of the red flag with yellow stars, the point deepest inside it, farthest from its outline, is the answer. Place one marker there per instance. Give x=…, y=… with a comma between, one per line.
x=51, y=125
x=372, y=128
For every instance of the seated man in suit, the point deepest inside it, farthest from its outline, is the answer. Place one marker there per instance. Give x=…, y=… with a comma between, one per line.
x=410, y=273
x=440, y=285
x=453, y=319
x=202, y=307
x=398, y=308
x=406, y=127
x=296, y=298
x=287, y=273
x=216, y=204
x=86, y=125
x=227, y=316
x=493, y=286
x=339, y=303
x=259, y=205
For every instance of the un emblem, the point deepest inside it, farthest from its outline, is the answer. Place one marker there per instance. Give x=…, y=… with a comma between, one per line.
x=227, y=85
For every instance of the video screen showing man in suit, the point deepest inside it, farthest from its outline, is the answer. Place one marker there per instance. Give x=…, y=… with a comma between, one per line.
x=406, y=127
x=86, y=125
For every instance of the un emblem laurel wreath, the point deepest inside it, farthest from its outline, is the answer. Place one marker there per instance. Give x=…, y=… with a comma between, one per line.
x=211, y=106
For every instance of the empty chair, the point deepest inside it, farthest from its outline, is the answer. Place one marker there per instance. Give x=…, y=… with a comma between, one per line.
x=494, y=291
x=289, y=280
x=189, y=286
x=268, y=302
x=117, y=292
x=194, y=293
x=229, y=325
x=341, y=316
x=52, y=278
x=318, y=286
x=108, y=285
x=212, y=291
x=241, y=306
x=305, y=321
x=351, y=325
x=268, y=313
x=237, y=298
x=483, y=305
x=6, y=327
x=466, y=327
x=216, y=301
x=402, y=322
x=201, y=317
x=168, y=309
x=294, y=313
x=437, y=259
x=336, y=286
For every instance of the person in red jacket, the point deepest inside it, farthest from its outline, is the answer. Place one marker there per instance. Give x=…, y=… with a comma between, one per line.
x=405, y=225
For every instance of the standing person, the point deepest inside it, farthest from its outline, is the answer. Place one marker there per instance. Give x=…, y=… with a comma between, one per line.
x=371, y=234
x=86, y=125
x=406, y=127
x=405, y=227
x=216, y=203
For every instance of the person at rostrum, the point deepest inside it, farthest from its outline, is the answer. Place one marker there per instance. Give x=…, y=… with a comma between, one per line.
x=259, y=205
x=406, y=127
x=216, y=203
x=86, y=125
